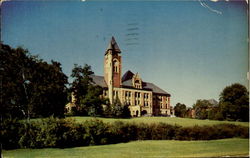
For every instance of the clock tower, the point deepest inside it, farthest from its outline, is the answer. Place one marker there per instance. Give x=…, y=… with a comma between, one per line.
x=112, y=67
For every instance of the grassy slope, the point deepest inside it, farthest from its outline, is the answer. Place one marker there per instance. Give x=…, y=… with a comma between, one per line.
x=169, y=120
x=168, y=148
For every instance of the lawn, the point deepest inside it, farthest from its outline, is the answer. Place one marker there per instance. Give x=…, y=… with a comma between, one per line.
x=170, y=120
x=150, y=149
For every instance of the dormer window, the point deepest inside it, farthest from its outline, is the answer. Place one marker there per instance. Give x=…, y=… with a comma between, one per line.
x=137, y=82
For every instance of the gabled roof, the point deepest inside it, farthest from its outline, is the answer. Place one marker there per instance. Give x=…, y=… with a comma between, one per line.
x=113, y=45
x=127, y=76
x=145, y=86
x=99, y=80
x=127, y=82
x=154, y=88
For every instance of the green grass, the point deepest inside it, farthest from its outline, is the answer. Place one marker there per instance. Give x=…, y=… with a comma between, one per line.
x=170, y=120
x=148, y=149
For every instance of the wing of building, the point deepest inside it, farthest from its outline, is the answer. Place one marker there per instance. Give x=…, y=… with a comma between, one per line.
x=143, y=98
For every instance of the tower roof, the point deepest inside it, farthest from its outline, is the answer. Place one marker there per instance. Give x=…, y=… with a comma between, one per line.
x=113, y=45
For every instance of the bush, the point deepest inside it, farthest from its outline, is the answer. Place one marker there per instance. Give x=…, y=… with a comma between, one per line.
x=62, y=133
x=117, y=110
x=212, y=132
x=9, y=133
x=96, y=132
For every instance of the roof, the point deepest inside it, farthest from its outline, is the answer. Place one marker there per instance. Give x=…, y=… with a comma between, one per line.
x=154, y=88
x=99, y=80
x=128, y=75
x=127, y=82
x=145, y=86
x=113, y=45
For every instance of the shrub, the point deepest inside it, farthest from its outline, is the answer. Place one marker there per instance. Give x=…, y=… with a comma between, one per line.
x=9, y=133
x=96, y=132
x=62, y=133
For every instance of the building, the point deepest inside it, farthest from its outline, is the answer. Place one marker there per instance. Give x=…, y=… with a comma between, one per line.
x=143, y=98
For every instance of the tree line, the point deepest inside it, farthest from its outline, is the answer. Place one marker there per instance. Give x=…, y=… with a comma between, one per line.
x=233, y=106
x=32, y=87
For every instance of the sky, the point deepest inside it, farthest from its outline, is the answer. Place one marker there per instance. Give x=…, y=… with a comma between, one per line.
x=191, y=49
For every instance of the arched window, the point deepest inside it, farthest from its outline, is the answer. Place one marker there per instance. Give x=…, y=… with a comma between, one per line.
x=116, y=66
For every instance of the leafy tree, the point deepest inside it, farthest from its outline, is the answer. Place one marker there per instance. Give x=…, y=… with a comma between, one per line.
x=180, y=110
x=12, y=63
x=201, y=108
x=87, y=95
x=117, y=110
x=47, y=89
x=30, y=86
x=234, y=102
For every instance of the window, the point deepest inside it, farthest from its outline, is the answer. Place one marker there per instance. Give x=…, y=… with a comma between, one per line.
x=116, y=65
x=128, y=102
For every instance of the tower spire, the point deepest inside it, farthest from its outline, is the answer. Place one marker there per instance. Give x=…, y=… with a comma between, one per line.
x=113, y=46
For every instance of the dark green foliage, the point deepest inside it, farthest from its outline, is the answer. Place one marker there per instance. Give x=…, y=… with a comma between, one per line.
x=117, y=110
x=180, y=110
x=234, y=103
x=30, y=86
x=10, y=131
x=121, y=132
x=52, y=132
x=47, y=90
x=88, y=100
x=12, y=66
x=202, y=108
x=212, y=132
x=62, y=133
x=96, y=132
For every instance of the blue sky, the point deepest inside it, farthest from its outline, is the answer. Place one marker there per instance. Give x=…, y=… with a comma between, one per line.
x=191, y=49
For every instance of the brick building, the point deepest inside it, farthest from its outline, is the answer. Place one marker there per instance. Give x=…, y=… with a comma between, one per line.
x=143, y=98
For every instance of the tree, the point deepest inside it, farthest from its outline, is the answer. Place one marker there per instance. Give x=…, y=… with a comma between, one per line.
x=202, y=108
x=180, y=110
x=30, y=86
x=234, y=102
x=117, y=110
x=47, y=90
x=13, y=100
x=88, y=100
